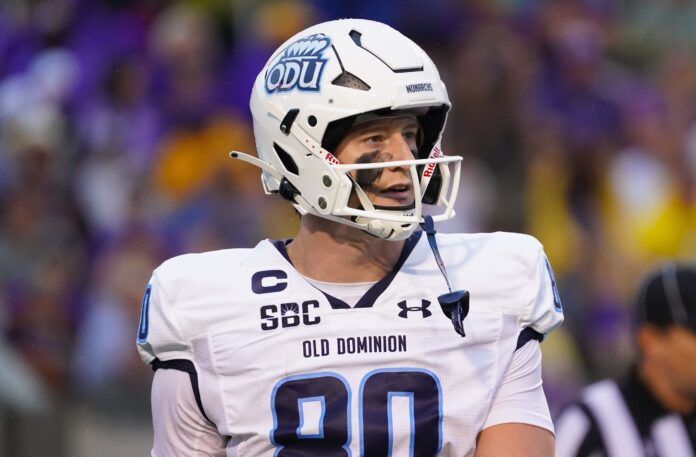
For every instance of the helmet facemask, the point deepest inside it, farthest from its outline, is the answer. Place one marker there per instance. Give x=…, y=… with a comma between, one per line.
x=343, y=188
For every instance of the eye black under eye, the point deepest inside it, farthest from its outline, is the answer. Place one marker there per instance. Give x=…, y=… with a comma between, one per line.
x=366, y=178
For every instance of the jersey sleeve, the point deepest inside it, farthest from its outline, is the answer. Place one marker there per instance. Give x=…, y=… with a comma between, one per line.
x=543, y=311
x=520, y=397
x=159, y=334
x=179, y=428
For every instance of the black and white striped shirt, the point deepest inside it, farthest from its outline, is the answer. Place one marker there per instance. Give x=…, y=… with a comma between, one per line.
x=613, y=419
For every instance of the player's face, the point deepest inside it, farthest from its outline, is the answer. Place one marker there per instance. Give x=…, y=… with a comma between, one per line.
x=382, y=140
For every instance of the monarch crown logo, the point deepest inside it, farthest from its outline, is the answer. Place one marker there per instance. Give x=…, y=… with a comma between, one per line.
x=299, y=66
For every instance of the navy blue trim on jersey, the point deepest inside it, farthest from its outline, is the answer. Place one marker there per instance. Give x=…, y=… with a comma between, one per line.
x=370, y=297
x=280, y=245
x=336, y=303
x=375, y=291
x=187, y=367
x=528, y=334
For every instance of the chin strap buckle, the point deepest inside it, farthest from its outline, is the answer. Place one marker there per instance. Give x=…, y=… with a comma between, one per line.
x=287, y=190
x=455, y=304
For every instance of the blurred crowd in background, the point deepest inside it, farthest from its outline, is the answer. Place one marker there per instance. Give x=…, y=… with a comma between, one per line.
x=576, y=120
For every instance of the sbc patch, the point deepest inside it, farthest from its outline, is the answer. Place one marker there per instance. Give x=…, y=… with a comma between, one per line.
x=299, y=66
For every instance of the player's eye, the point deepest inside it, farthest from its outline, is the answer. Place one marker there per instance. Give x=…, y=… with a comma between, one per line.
x=410, y=135
x=375, y=139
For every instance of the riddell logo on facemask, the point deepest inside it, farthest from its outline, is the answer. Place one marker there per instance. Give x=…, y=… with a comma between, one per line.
x=428, y=172
x=299, y=66
x=331, y=158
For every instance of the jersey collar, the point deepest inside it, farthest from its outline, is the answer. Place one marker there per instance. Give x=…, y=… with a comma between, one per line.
x=370, y=297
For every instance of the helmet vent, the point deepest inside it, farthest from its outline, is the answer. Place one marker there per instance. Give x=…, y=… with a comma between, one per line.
x=377, y=49
x=351, y=81
x=285, y=158
x=356, y=37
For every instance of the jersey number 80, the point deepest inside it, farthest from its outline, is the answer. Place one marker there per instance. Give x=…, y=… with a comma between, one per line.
x=376, y=392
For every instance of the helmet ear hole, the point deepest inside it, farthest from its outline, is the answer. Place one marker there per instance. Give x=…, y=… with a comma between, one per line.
x=287, y=161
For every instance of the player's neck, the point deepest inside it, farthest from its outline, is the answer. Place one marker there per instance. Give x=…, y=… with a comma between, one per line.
x=663, y=391
x=332, y=252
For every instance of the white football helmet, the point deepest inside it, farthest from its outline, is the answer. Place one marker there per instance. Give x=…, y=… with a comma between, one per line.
x=314, y=88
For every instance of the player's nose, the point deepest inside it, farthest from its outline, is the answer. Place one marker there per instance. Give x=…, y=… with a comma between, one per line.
x=399, y=147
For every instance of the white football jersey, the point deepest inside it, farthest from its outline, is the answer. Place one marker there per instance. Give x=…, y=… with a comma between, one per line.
x=284, y=369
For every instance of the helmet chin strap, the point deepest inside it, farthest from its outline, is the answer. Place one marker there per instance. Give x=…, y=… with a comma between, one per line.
x=376, y=227
x=454, y=304
x=386, y=230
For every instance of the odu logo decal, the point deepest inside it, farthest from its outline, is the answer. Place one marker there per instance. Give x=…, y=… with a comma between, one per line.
x=299, y=66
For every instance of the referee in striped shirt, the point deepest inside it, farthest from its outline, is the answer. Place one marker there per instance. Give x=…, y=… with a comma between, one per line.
x=652, y=412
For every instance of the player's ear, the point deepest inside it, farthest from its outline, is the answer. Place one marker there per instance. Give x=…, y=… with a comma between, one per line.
x=648, y=338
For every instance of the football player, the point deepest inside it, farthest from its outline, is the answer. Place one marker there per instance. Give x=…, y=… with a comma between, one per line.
x=364, y=335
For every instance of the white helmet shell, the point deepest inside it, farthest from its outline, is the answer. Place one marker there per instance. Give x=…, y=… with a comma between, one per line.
x=315, y=87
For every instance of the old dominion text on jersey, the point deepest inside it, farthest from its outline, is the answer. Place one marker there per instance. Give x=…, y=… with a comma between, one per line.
x=354, y=345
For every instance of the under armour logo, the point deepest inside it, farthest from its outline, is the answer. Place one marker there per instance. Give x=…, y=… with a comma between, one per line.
x=405, y=309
